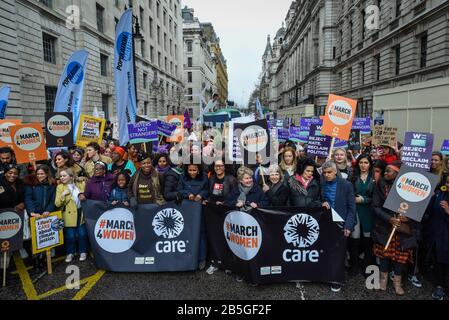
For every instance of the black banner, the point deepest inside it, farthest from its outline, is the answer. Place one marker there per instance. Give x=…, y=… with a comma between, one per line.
x=11, y=230
x=277, y=245
x=149, y=238
x=253, y=139
x=59, y=129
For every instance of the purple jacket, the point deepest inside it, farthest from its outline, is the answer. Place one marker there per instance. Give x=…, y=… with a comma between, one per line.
x=99, y=188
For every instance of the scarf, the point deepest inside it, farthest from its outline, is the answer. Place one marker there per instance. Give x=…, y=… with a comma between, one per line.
x=162, y=170
x=243, y=192
x=275, y=187
x=74, y=191
x=303, y=181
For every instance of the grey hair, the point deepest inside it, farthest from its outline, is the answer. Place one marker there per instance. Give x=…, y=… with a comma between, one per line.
x=329, y=165
x=276, y=168
x=242, y=171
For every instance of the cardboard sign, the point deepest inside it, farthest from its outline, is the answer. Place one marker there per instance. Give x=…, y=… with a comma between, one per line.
x=411, y=192
x=178, y=134
x=445, y=148
x=142, y=132
x=318, y=144
x=5, y=136
x=417, y=150
x=28, y=142
x=340, y=113
x=11, y=230
x=46, y=233
x=90, y=130
x=59, y=129
x=384, y=136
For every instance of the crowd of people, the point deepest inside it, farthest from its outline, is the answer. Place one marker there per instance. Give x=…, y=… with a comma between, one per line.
x=355, y=183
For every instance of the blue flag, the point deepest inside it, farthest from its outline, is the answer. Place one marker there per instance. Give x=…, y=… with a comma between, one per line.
x=4, y=96
x=259, y=108
x=124, y=76
x=69, y=97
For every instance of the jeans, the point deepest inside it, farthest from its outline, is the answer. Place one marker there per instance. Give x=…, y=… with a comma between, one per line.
x=70, y=235
x=397, y=267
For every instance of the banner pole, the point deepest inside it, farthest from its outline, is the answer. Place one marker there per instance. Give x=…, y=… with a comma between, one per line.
x=49, y=268
x=5, y=256
x=261, y=174
x=390, y=238
x=329, y=157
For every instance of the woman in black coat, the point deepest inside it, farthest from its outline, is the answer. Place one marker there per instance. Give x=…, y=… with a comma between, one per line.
x=11, y=189
x=275, y=189
x=305, y=185
x=40, y=192
x=400, y=251
x=220, y=182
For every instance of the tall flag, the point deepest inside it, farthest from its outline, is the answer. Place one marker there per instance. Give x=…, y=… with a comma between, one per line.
x=187, y=121
x=69, y=97
x=4, y=96
x=259, y=109
x=124, y=75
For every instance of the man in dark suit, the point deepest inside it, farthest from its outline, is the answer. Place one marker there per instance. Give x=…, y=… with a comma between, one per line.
x=338, y=194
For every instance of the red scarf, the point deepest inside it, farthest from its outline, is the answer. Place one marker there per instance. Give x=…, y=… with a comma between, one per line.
x=302, y=181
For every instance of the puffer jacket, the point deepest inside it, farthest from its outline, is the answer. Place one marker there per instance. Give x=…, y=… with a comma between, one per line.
x=171, y=181
x=39, y=197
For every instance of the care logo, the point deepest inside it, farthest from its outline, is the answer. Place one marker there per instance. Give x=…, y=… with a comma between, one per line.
x=28, y=139
x=243, y=234
x=59, y=125
x=74, y=75
x=301, y=231
x=168, y=223
x=413, y=187
x=254, y=138
x=10, y=224
x=115, y=231
x=340, y=112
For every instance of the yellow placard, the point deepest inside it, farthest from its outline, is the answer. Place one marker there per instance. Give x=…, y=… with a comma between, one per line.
x=43, y=233
x=90, y=129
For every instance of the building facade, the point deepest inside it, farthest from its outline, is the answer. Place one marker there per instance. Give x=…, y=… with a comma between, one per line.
x=38, y=41
x=357, y=48
x=199, y=66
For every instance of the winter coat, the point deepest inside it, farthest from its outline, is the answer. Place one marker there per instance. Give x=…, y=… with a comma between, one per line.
x=255, y=195
x=68, y=205
x=438, y=228
x=39, y=197
x=154, y=183
x=382, y=226
x=344, y=202
x=99, y=188
x=365, y=210
x=304, y=198
x=278, y=198
x=129, y=166
x=228, y=184
x=198, y=186
x=119, y=194
x=9, y=198
x=171, y=180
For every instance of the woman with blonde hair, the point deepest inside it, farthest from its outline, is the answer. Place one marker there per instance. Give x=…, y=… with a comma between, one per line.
x=288, y=162
x=340, y=158
x=67, y=198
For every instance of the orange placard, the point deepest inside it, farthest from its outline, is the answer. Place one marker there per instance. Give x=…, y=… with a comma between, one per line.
x=178, y=134
x=5, y=137
x=28, y=142
x=340, y=113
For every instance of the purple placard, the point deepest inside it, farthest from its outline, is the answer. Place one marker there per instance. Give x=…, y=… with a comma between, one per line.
x=305, y=128
x=445, y=148
x=417, y=150
x=318, y=145
x=142, y=132
x=165, y=129
x=295, y=134
x=283, y=134
x=362, y=124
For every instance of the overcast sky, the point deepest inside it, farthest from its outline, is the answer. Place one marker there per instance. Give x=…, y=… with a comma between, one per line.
x=242, y=26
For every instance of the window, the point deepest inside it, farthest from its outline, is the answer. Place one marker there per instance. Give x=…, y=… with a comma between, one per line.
x=189, y=62
x=165, y=41
x=176, y=70
x=142, y=48
x=350, y=35
x=158, y=35
x=165, y=18
x=397, y=60
x=50, y=95
x=48, y=3
x=170, y=24
x=100, y=18
x=377, y=66
x=145, y=80
x=104, y=65
x=423, y=51
x=117, y=3
x=116, y=21
x=151, y=28
x=142, y=17
x=189, y=46
x=150, y=4
x=171, y=47
x=350, y=78
x=49, y=46
x=363, y=24
x=189, y=77
x=159, y=57
x=176, y=9
x=158, y=9
x=176, y=50
x=362, y=73
x=398, y=8
x=176, y=30
x=190, y=93
x=105, y=105
x=165, y=64
x=145, y=108
x=171, y=67
x=151, y=53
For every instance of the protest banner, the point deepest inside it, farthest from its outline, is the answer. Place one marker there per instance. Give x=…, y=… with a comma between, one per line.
x=5, y=136
x=148, y=238
x=11, y=233
x=340, y=112
x=178, y=134
x=272, y=245
x=253, y=138
x=318, y=144
x=384, y=136
x=417, y=150
x=295, y=133
x=283, y=134
x=445, y=148
x=235, y=153
x=354, y=142
x=28, y=142
x=47, y=233
x=90, y=130
x=59, y=129
x=304, y=128
x=143, y=132
x=362, y=124
x=165, y=129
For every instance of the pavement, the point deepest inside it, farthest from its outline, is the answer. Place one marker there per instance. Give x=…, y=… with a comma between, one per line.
x=26, y=283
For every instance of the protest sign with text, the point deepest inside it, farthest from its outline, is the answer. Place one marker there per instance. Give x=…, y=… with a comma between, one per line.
x=28, y=142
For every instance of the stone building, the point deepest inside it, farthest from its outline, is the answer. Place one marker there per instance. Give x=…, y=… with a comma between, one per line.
x=199, y=64
x=36, y=42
